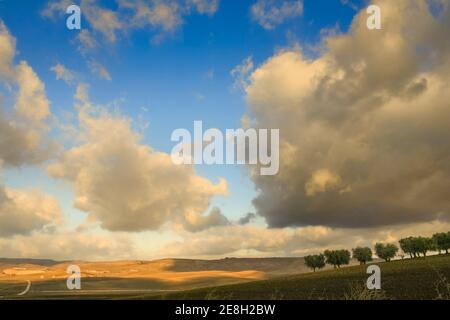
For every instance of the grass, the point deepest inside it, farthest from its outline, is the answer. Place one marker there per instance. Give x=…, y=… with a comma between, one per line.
x=404, y=279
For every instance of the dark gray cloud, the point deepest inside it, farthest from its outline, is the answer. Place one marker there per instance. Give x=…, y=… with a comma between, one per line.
x=247, y=218
x=364, y=127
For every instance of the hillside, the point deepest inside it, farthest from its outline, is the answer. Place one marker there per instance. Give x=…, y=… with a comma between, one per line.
x=124, y=277
x=403, y=279
x=19, y=261
x=237, y=279
x=271, y=266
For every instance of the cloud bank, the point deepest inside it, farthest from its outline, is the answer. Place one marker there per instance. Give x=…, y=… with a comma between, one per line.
x=364, y=138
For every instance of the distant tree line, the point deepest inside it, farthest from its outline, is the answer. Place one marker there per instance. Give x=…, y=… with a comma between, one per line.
x=414, y=246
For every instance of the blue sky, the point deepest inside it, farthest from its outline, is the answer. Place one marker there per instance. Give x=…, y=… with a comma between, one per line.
x=165, y=63
x=170, y=84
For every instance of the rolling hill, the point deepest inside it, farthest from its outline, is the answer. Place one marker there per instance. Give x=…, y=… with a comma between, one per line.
x=48, y=277
x=424, y=278
x=232, y=278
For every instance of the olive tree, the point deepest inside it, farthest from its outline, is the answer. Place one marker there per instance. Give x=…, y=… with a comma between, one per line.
x=386, y=251
x=415, y=246
x=424, y=245
x=363, y=255
x=337, y=258
x=442, y=241
x=316, y=261
x=407, y=245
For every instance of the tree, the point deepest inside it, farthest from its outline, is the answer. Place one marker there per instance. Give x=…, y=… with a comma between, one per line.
x=315, y=261
x=407, y=246
x=442, y=241
x=362, y=254
x=337, y=258
x=386, y=251
x=418, y=245
x=423, y=245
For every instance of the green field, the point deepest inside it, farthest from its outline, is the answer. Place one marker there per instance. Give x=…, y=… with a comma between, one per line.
x=424, y=278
